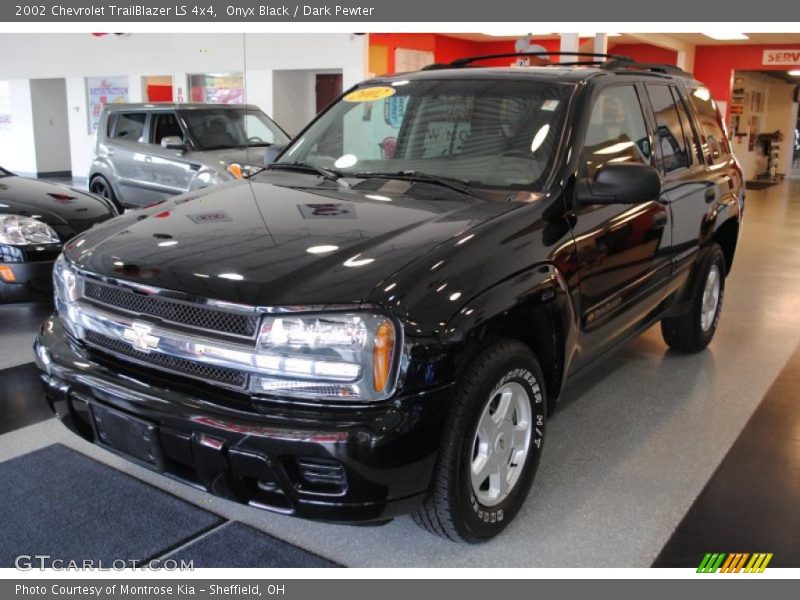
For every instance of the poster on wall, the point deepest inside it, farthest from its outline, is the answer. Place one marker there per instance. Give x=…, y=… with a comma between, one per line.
x=101, y=91
x=751, y=142
x=217, y=88
x=406, y=59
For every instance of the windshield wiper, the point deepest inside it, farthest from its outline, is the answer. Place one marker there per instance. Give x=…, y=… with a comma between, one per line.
x=303, y=166
x=453, y=183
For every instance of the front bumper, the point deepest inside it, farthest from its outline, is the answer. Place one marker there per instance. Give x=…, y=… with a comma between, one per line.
x=333, y=464
x=32, y=281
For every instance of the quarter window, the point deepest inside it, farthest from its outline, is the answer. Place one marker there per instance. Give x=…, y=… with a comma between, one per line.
x=669, y=134
x=617, y=132
x=130, y=127
x=715, y=144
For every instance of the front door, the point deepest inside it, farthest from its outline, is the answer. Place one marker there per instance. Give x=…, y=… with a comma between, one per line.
x=170, y=172
x=622, y=250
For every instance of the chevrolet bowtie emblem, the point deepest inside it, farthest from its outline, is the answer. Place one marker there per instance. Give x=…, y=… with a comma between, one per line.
x=139, y=336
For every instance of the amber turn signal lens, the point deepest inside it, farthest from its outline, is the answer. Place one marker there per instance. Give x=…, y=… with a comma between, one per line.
x=235, y=170
x=6, y=274
x=382, y=355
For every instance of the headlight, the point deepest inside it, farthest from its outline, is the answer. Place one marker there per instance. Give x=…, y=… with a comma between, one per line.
x=21, y=231
x=346, y=356
x=239, y=170
x=65, y=282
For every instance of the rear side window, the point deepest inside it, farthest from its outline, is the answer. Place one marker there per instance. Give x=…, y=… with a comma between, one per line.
x=715, y=143
x=129, y=126
x=617, y=132
x=670, y=136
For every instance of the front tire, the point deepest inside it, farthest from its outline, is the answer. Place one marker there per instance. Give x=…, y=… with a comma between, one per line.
x=491, y=445
x=694, y=330
x=99, y=185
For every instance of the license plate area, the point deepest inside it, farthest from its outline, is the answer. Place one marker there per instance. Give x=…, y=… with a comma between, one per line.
x=130, y=436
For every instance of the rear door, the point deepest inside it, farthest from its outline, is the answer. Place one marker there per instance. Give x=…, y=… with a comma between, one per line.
x=129, y=154
x=689, y=186
x=622, y=249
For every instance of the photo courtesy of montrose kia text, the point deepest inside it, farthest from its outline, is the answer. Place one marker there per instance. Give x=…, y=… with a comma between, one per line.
x=376, y=299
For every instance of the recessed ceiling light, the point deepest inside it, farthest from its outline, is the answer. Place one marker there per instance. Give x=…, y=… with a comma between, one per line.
x=321, y=249
x=724, y=37
x=795, y=73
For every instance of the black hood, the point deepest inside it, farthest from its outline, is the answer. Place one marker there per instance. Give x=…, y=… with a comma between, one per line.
x=274, y=242
x=66, y=210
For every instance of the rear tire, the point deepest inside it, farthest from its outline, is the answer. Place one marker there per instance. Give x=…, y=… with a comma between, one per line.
x=694, y=330
x=490, y=447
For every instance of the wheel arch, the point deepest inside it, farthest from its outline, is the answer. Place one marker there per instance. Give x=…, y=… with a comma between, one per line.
x=534, y=308
x=727, y=236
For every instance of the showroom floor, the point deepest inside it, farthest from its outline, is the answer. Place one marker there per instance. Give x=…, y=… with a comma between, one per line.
x=649, y=445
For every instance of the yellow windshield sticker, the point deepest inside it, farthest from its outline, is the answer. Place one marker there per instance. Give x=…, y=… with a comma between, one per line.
x=370, y=94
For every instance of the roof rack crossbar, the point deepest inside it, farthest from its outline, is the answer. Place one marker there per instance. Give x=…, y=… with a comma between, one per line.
x=460, y=62
x=607, y=62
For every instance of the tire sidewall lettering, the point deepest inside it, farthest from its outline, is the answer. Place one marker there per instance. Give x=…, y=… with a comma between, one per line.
x=496, y=515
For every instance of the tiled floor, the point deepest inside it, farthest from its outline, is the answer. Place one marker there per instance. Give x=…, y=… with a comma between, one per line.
x=628, y=452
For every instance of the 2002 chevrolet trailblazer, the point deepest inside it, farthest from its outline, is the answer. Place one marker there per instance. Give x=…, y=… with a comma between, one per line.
x=382, y=321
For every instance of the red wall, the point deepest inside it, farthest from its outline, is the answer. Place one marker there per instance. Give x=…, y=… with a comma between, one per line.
x=714, y=65
x=446, y=49
x=645, y=53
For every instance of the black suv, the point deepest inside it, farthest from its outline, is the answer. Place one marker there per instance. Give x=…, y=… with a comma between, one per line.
x=382, y=321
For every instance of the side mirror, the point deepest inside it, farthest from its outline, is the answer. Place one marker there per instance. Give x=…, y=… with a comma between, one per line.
x=272, y=153
x=173, y=142
x=619, y=183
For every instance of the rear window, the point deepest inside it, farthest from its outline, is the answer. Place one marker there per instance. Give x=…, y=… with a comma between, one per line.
x=129, y=126
x=715, y=142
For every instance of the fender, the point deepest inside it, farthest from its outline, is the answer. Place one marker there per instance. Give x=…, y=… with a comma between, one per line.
x=533, y=305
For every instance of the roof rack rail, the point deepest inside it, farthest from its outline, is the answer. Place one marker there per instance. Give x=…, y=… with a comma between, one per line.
x=664, y=68
x=463, y=62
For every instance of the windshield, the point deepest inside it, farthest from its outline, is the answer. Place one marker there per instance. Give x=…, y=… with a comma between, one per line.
x=491, y=133
x=218, y=128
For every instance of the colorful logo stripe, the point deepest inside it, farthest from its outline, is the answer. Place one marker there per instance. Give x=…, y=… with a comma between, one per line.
x=721, y=562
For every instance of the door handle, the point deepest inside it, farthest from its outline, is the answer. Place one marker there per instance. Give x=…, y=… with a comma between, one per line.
x=711, y=195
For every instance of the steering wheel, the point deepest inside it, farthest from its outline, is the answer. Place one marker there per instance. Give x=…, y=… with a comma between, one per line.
x=255, y=140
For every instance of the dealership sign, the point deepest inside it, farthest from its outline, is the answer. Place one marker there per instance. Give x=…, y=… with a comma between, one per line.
x=781, y=57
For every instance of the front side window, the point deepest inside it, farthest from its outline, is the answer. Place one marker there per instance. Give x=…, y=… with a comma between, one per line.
x=129, y=126
x=617, y=131
x=165, y=124
x=218, y=128
x=670, y=136
x=491, y=133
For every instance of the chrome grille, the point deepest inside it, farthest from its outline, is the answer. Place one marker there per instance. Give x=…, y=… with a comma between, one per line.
x=222, y=375
x=174, y=311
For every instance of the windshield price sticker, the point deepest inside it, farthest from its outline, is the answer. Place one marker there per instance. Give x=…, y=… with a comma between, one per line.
x=370, y=94
x=550, y=105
